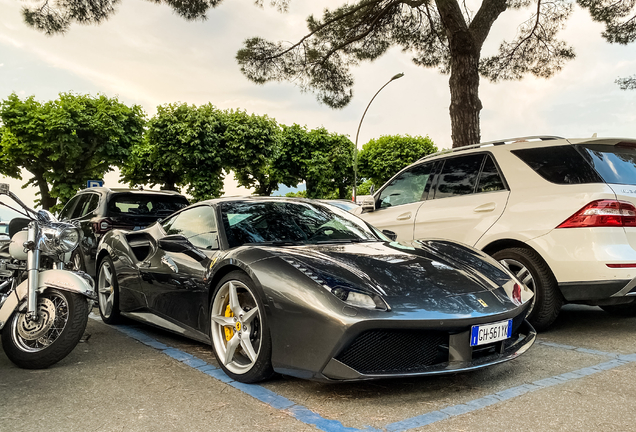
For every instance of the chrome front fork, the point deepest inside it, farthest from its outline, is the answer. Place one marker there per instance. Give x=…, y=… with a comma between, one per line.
x=33, y=270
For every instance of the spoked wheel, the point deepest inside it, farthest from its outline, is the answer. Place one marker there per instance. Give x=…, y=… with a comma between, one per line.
x=239, y=333
x=38, y=344
x=531, y=269
x=108, y=292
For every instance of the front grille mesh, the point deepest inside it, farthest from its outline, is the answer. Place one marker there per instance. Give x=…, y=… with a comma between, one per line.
x=395, y=351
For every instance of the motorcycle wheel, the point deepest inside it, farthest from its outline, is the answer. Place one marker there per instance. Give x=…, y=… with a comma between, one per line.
x=39, y=344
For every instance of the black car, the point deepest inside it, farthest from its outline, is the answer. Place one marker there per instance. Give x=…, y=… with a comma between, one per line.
x=310, y=290
x=98, y=210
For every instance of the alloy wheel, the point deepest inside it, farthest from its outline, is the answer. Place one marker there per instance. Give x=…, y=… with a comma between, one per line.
x=236, y=327
x=106, y=289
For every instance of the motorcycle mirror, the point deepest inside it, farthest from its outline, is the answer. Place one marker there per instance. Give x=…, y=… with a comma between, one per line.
x=4, y=188
x=46, y=216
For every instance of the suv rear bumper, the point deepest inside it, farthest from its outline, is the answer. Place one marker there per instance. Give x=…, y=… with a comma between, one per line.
x=580, y=257
x=598, y=290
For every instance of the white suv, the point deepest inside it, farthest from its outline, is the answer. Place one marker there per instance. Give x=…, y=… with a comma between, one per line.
x=558, y=213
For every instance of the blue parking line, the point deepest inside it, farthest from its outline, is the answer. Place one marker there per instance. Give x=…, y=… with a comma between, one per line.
x=261, y=393
x=309, y=417
x=581, y=350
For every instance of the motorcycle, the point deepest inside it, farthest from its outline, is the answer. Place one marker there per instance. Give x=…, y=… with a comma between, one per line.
x=43, y=307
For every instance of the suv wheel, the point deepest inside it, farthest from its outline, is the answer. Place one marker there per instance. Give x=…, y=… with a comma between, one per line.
x=530, y=269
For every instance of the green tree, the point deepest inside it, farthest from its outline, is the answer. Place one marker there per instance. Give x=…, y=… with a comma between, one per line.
x=323, y=160
x=380, y=159
x=330, y=168
x=183, y=148
x=65, y=142
x=252, y=143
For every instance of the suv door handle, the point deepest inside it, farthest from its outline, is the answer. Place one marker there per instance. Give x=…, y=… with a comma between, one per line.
x=404, y=216
x=485, y=208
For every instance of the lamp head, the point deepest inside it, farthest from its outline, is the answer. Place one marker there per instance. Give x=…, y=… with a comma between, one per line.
x=400, y=75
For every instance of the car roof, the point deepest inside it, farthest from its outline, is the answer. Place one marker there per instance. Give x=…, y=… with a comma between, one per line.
x=257, y=198
x=105, y=190
x=527, y=142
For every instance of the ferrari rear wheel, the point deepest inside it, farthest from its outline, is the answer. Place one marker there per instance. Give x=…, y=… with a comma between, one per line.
x=108, y=292
x=238, y=329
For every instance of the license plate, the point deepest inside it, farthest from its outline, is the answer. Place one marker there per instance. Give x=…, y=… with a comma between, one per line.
x=488, y=333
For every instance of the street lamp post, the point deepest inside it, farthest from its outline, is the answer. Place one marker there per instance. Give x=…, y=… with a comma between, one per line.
x=355, y=151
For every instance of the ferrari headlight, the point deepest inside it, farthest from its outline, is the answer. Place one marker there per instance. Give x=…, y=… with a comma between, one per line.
x=60, y=238
x=359, y=299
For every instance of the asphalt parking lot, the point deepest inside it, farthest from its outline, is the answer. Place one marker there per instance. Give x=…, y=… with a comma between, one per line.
x=578, y=376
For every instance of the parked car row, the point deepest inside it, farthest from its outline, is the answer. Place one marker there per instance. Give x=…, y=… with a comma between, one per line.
x=559, y=214
x=98, y=210
x=450, y=266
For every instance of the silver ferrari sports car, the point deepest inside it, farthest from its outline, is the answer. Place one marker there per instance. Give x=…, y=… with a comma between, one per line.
x=306, y=289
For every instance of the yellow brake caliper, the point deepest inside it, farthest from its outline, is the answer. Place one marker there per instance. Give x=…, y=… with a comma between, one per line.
x=229, y=331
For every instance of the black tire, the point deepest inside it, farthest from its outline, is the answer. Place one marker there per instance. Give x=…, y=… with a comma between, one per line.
x=108, y=292
x=548, y=299
x=71, y=315
x=239, y=364
x=624, y=310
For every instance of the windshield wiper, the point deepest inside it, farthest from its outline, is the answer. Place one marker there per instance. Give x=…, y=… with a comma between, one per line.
x=353, y=240
x=276, y=243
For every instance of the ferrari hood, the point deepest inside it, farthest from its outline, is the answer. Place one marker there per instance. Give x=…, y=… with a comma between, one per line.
x=419, y=273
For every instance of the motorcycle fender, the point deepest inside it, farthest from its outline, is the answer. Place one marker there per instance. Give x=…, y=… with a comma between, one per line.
x=59, y=279
x=80, y=283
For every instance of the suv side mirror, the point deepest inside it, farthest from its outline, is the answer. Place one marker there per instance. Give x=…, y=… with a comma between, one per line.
x=367, y=202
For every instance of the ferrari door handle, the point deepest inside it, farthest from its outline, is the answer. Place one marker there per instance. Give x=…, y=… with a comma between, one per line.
x=485, y=208
x=404, y=216
x=166, y=260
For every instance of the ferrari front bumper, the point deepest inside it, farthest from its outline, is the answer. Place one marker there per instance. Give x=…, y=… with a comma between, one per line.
x=455, y=355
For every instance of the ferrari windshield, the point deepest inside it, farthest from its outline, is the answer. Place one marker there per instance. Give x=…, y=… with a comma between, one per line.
x=289, y=222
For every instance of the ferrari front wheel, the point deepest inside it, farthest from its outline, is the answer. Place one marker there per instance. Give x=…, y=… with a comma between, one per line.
x=238, y=330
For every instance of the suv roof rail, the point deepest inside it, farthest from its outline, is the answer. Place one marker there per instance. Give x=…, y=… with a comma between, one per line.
x=494, y=143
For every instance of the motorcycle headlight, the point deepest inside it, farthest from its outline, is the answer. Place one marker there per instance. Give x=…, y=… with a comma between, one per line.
x=60, y=238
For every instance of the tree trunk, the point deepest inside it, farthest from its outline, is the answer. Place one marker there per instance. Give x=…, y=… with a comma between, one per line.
x=464, y=90
x=465, y=42
x=169, y=185
x=46, y=200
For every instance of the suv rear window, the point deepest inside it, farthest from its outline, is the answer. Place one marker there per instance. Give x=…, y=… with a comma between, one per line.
x=559, y=164
x=616, y=164
x=145, y=205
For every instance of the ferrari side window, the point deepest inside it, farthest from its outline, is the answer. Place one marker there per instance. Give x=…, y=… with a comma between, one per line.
x=408, y=187
x=197, y=224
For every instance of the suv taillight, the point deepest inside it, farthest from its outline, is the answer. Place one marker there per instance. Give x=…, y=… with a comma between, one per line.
x=603, y=213
x=102, y=226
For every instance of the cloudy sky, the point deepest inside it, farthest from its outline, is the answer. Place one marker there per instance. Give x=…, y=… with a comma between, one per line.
x=147, y=55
